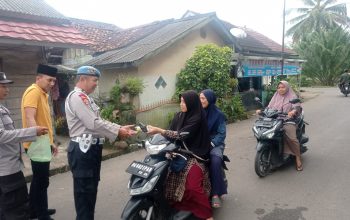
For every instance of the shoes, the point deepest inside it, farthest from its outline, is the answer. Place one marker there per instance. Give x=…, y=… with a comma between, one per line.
x=215, y=202
x=49, y=211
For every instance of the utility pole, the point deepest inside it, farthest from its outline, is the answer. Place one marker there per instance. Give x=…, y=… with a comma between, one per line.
x=284, y=23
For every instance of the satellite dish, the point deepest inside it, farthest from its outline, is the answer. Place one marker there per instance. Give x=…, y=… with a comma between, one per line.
x=238, y=32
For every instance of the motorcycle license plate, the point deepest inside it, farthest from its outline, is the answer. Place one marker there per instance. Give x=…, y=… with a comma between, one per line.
x=140, y=169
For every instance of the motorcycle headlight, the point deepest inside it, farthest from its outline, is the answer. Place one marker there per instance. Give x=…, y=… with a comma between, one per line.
x=154, y=149
x=145, y=188
x=270, y=133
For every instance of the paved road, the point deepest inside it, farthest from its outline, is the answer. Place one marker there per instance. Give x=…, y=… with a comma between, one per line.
x=320, y=192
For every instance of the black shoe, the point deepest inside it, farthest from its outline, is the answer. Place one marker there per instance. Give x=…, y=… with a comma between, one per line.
x=49, y=211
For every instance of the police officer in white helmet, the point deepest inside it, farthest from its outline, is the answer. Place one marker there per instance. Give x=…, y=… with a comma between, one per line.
x=87, y=131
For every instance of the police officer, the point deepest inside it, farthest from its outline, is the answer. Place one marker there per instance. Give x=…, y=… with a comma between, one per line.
x=87, y=131
x=14, y=201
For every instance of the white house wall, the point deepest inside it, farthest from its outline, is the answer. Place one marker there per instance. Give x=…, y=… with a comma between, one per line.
x=169, y=63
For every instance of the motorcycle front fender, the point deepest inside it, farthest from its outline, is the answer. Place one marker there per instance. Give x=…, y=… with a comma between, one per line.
x=133, y=205
x=260, y=146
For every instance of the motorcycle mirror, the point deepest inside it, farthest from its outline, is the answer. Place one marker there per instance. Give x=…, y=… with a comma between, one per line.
x=294, y=101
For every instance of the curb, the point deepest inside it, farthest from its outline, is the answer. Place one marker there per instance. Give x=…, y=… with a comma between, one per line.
x=65, y=168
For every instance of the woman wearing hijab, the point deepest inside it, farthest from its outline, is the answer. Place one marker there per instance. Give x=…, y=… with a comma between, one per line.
x=280, y=102
x=189, y=189
x=217, y=131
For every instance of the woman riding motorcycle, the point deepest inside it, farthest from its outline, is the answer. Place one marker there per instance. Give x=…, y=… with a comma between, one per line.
x=280, y=102
x=189, y=189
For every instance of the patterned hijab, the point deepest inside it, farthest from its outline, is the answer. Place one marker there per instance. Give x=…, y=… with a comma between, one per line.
x=281, y=102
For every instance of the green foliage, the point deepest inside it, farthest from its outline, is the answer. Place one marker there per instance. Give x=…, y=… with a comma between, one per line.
x=169, y=118
x=107, y=113
x=118, y=112
x=316, y=16
x=61, y=126
x=133, y=86
x=327, y=54
x=233, y=108
x=304, y=81
x=209, y=67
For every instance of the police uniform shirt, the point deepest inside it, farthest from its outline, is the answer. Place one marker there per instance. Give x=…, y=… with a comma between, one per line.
x=83, y=117
x=10, y=148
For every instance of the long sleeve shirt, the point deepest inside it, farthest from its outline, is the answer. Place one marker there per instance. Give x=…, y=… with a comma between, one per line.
x=10, y=147
x=83, y=117
x=218, y=138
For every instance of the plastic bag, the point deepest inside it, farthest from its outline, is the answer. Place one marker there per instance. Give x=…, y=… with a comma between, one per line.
x=40, y=150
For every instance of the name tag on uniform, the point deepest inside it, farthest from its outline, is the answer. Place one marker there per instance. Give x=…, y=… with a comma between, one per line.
x=85, y=142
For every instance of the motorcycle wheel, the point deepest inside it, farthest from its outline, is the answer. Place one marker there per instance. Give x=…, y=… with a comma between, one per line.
x=141, y=213
x=262, y=165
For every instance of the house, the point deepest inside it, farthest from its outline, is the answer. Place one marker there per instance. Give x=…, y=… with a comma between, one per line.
x=32, y=32
x=156, y=52
x=257, y=58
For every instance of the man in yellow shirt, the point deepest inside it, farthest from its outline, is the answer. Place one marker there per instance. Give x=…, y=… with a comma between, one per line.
x=36, y=112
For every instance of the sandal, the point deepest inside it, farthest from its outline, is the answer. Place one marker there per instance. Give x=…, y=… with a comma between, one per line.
x=299, y=168
x=215, y=202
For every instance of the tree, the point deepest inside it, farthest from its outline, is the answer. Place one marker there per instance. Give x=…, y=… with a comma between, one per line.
x=209, y=67
x=316, y=16
x=326, y=53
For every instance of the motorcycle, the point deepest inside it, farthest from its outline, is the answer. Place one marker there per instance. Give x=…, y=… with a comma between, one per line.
x=147, y=181
x=345, y=89
x=268, y=131
x=146, y=184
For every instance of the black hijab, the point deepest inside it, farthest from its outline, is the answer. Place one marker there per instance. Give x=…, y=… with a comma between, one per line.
x=193, y=121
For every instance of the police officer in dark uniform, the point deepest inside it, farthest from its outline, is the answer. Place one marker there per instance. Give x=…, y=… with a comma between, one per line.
x=87, y=131
x=14, y=201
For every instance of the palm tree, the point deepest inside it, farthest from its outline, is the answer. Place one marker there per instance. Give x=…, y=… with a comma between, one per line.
x=326, y=53
x=317, y=15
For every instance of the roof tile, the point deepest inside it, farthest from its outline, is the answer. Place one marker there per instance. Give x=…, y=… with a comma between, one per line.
x=42, y=33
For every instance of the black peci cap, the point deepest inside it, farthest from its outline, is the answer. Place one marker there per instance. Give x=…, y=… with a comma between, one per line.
x=47, y=70
x=3, y=79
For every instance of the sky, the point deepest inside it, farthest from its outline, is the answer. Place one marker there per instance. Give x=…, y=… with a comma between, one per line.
x=263, y=16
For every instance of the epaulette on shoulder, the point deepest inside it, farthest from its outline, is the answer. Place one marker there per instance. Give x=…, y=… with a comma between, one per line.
x=84, y=98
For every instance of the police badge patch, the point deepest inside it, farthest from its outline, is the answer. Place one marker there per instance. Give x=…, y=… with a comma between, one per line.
x=84, y=98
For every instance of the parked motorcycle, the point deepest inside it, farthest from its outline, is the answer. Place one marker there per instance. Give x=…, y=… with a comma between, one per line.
x=345, y=89
x=268, y=130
